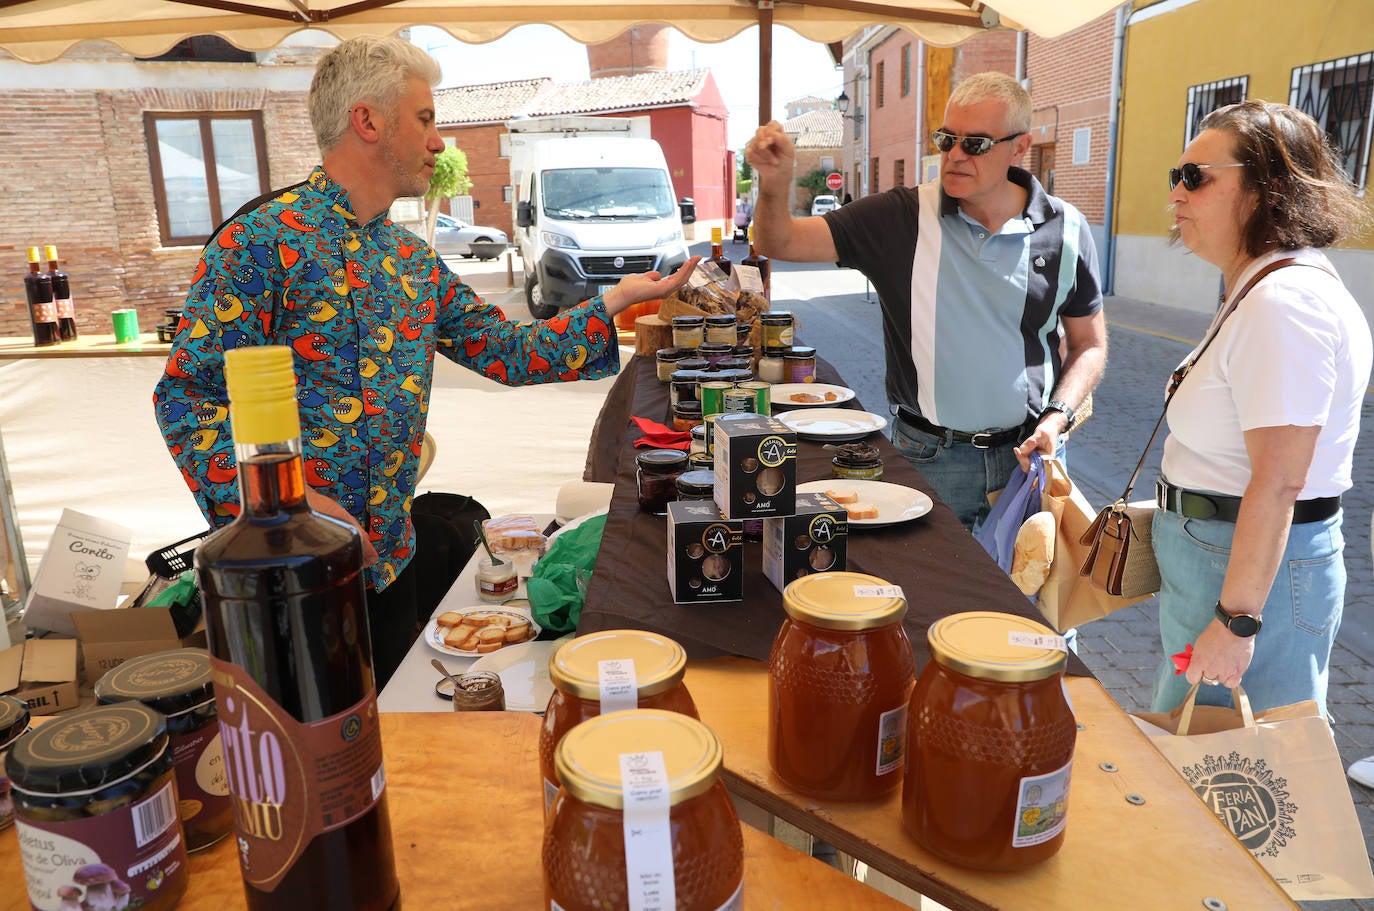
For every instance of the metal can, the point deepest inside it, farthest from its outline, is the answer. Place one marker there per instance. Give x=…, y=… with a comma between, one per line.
x=712, y=396
x=762, y=395
x=739, y=401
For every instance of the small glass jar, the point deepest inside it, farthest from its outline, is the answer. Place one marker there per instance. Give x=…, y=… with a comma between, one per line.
x=857, y=462
x=178, y=684
x=667, y=360
x=712, y=396
x=721, y=329
x=992, y=739
x=698, y=443
x=734, y=377
x=683, y=386
x=799, y=364
x=696, y=484
x=743, y=329
x=715, y=353
x=777, y=329
x=839, y=677
x=496, y=582
x=734, y=362
x=99, y=783
x=771, y=365
x=745, y=352
x=14, y=723
x=480, y=691
x=584, y=840
x=688, y=331
x=694, y=362
x=701, y=461
x=686, y=415
x=655, y=472
x=657, y=663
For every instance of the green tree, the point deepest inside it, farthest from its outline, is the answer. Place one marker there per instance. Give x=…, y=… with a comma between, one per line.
x=744, y=176
x=450, y=178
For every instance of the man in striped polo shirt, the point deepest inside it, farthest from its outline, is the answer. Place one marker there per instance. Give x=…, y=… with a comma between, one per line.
x=992, y=313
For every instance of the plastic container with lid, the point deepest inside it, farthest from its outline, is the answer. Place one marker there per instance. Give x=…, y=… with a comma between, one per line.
x=655, y=472
x=839, y=677
x=648, y=676
x=695, y=484
x=14, y=723
x=799, y=364
x=99, y=783
x=688, y=331
x=178, y=684
x=991, y=743
x=701, y=848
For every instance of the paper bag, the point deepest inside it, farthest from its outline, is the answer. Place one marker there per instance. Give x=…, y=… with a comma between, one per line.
x=1275, y=779
x=1068, y=599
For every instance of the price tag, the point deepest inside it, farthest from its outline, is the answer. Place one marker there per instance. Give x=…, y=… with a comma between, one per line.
x=648, y=836
x=1038, y=640
x=878, y=591
x=619, y=688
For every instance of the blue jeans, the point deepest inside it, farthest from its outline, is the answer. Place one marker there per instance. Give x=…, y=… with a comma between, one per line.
x=1301, y=614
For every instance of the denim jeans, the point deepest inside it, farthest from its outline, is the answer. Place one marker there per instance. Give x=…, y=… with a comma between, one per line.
x=1301, y=615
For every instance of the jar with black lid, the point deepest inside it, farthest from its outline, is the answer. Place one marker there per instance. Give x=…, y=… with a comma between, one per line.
x=688, y=331
x=667, y=360
x=14, y=723
x=696, y=485
x=735, y=362
x=684, y=386
x=177, y=683
x=857, y=462
x=701, y=461
x=694, y=362
x=722, y=329
x=698, y=443
x=745, y=351
x=686, y=415
x=715, y=353
x=777, y=328
x=771, y=365
x=656, y=470
x=99, y=783
x=799, y=364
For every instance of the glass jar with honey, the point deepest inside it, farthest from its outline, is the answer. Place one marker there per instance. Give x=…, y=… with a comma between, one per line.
x=839, y=676
x=991, y=740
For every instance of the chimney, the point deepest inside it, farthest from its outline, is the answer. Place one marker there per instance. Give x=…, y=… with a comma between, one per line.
x=641, y=49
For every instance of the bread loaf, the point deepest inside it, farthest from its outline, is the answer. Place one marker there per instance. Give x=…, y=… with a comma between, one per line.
x=1034, y=553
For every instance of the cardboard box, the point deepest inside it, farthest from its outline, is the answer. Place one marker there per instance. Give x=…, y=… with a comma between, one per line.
x=111, y=637
x=705, y=553
x=813, y=540
x=42, y=674
x=83, y=569
x=756, y=467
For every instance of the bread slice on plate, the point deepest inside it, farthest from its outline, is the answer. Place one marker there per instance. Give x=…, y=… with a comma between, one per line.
x=861, y=510
x=842, y=495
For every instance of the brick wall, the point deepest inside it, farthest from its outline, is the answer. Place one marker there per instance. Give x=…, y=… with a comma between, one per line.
x=892, y=127
x=489, y=173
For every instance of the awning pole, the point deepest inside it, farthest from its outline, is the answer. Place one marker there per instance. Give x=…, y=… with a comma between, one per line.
x=765, y=61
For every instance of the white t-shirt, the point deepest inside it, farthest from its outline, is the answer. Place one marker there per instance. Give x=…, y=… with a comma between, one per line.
x=1296, y=351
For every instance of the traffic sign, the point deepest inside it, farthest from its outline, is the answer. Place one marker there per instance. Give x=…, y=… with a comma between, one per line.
x=834, y=180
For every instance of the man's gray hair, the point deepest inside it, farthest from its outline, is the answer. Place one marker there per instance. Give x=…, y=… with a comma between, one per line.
x=983, y=86
x=369, y=68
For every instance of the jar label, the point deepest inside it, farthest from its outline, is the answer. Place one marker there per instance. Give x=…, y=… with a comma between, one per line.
x=497, y=588
x=292, y=781
x=648, y=836
x=1037, y=640
x=202, y=784
x=139, y=846
x=1041, y=807
x=891, y=740
x=619, y=687
x=550, y=792
x=749, y=278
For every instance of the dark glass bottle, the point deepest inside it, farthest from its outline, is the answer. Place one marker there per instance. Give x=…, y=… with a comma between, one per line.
x=61, y=297
x=42, y=313
x=760, y=262
x=286, y=616
x=718, y=251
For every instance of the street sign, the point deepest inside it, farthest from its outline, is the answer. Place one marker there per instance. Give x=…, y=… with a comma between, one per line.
x=834, y=180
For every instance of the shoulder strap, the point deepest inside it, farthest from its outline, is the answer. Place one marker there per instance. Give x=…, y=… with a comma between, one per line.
x=249, y=206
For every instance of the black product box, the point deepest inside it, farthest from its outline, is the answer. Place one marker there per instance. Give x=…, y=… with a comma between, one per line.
x=705, y=553
x=756, y=467
x=813, y=540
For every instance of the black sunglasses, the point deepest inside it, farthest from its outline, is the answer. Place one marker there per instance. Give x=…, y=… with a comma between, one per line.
x=972, y=145
x=1190, y=175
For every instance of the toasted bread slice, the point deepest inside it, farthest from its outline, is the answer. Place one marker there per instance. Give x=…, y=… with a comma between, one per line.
x=862, y=510
x=449, y=619
x=842, y=495
x=518, y=631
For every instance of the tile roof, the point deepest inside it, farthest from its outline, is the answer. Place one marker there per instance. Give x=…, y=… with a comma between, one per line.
x=492, y=101
x=498, y=101
x=815, y=129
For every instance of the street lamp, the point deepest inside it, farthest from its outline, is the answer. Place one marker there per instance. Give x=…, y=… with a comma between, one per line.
x=842, y=105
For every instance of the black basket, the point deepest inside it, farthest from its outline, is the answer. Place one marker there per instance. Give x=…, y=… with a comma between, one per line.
x=166, y=566
x=174, y=559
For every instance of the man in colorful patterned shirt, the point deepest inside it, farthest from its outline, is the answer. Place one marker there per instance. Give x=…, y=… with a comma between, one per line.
x=365, y=305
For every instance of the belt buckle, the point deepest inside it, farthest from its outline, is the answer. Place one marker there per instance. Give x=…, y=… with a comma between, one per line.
x=985, y=443
x=1162, y=495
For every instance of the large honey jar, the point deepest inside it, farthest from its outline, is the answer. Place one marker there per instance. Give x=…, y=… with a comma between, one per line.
x=609, y=671
x=990, y=743
x=838, y=681
x=642, y=807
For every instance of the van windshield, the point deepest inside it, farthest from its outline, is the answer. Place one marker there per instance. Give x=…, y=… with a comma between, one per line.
x=632, y=194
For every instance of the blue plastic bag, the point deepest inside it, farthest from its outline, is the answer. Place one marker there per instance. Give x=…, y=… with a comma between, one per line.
x=1019, y=500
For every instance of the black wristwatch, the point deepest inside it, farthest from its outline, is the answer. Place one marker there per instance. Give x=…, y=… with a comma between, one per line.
x=1063, y=409
x=1241, y=625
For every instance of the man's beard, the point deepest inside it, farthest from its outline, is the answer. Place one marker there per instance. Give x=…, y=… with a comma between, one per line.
x=408, y=182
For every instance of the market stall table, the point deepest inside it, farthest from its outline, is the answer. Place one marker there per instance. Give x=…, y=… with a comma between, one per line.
x=15, y=347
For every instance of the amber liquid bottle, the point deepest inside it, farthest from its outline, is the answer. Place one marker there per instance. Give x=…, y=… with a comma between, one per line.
x=42, y=313
x=718, y=252
x=61, y=297
x=760, y=262
x=286, y=616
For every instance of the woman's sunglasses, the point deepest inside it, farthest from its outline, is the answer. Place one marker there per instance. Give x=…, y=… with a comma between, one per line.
x=972, y=145
x=1190, y=175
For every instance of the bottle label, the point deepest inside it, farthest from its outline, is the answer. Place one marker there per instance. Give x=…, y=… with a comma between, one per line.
x=1041, y=807
x=619, y=688
x=45, y=312
x=891, y=740
x=291, y=781
x=648, y=835
x=748, y=277
x=65, y=308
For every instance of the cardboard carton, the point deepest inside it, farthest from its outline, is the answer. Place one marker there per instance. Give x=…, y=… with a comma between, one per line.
x=111, y=637
x=42, y=674
x=811, y=541
x=82, y=569
x=705, y=553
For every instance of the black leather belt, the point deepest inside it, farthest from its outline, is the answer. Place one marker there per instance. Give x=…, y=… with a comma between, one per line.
x=986, y=440
x=1192, y=504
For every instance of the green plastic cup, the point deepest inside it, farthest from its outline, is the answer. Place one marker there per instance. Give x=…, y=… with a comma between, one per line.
x=125, y=325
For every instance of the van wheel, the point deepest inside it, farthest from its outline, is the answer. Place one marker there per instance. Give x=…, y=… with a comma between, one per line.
x=534, y=297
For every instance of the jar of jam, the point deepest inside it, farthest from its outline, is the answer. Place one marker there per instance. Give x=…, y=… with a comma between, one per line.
x=683, y=386
x=857, y=462
x=99, y=783
x=688, y=331
x=777, y=329
x=696, y=484
x=641, y=670
x=14, y=723
x=480, y=691
x=584, y=851
x=721, y=329
x=839, y=676
x=656, y=470
x=745, y=351
x=991, y=739
x=715, y=353
x=667, y=360
x=686, y=415
x=771, y=365
x=177, y=683
x=799, y=364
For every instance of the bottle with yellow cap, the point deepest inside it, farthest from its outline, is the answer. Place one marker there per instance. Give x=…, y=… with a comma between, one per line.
x=991, y=743
x=765, y=267
x=286, y=618
x=42, y=311
x=718, y=250
x=61, y=296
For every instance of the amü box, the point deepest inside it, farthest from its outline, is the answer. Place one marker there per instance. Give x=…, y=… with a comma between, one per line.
x=814, y=540
x=756, y=467
x=705, y=553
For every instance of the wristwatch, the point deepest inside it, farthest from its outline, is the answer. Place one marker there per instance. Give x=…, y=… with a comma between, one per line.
x=1242, y=625
x=1063, y=409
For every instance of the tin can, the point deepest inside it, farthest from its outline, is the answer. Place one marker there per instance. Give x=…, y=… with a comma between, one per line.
x=739, y=401
x=712, y=396
x=762, y=395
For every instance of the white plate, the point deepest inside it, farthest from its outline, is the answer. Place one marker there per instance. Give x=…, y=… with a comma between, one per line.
x=576, y=522
x=524, y=673
x=895, y=503
x=434, y=633
x=782, y=394
x=832, y=423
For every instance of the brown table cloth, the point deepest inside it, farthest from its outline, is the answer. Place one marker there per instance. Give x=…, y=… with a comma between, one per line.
x=940, y=567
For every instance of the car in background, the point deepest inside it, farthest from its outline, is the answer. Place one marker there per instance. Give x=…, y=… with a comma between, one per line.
x=455, y=237
x=823, y=203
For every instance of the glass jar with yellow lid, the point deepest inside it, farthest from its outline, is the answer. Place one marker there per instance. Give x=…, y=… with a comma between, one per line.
x=839, y=677
x=609, y=671
x=991, y=743
x=695, y=856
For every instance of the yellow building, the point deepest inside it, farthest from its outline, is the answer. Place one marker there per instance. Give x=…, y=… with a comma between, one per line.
x=1183, y=58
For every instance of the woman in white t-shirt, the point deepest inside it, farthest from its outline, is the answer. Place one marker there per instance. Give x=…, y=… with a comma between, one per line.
x=1263, y=427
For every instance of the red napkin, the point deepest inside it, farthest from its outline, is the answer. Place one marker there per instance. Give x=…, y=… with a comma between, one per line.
x=657, y=436
x=1183, y=659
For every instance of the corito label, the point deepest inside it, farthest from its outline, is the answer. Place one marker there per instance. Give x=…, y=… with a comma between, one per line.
x=291, y=781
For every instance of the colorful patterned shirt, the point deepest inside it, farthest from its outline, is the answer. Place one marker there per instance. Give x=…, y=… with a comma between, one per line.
x=364, y=307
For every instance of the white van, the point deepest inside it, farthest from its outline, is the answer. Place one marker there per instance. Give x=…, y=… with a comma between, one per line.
x=589, y=210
